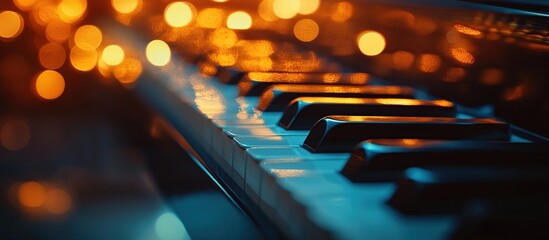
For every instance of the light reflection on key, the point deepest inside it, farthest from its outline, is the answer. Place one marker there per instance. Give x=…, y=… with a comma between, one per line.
x=341, y=133
x=278, y=96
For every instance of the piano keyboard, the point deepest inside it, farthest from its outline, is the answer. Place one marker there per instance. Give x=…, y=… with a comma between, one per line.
x=315, y=150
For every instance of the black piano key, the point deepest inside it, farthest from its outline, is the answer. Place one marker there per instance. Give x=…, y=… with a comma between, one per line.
x=446, y=190
x=303, y=112
x=254, y=83
x=385, y=159
x=278, y=96
x=341, y=133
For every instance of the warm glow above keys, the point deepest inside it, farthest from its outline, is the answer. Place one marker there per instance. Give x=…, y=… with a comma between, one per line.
x=384, y=101
x=306, y=30
x=239, y=20
x=126, y=6
x=432, y=120
x=113, y=55
x=339, y=89
x=158, y=53
x=371, y=43
x=179, y=14
x=49, y=84
x=255, y=48
x=88, y=37
x=277, y=77
x=410, y=102
x=11, y=24
x=290, y=77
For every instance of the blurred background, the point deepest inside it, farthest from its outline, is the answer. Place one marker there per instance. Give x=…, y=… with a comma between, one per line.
x=80, y=156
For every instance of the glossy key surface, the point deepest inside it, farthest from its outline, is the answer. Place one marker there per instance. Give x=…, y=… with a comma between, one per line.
x=342, y=133
x=277, y=97
x=379, y=158
x=304, y=112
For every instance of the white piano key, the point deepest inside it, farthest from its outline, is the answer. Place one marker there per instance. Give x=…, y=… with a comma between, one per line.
x=226, y=142
x=251, y=172
x=271, y=170
x=237, y=152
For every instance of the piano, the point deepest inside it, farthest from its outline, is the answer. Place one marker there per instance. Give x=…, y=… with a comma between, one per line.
x=328, y=119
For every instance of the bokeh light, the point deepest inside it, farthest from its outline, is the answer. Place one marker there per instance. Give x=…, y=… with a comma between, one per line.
x=308, y=6
x=306, y=30
x=58, y=31
x=128, y=71
x=126, y=6
x=49, y=84
x=286, y=9
x=14, y=134
x=371, y=43
x=239, y=20
x=71, y=11
x=52, y=55
x=32, y=194
x=103, y=68
x=44, y=12
x=88, y=37
x=25, y=5
x=57, y=201
x=342, y=12
x=179, y=14
x=83, y=60
x=428, y=63
x=462, y=55
x=158, y=53
x=11, y=24
x=265, y=10
x=402, y=60
x=113, y=55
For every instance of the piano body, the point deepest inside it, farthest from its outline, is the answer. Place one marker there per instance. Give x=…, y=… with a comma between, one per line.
x=350, y=119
